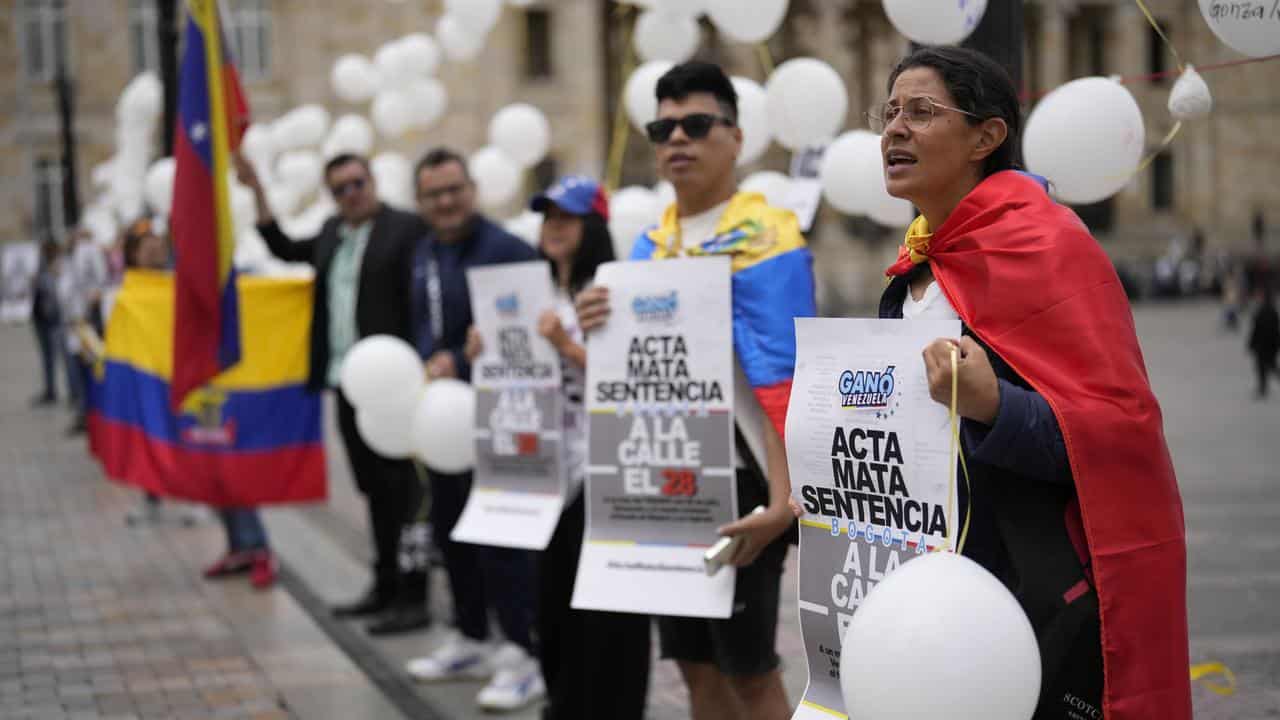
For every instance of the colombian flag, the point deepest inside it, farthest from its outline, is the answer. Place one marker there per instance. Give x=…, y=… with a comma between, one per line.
x=772, y=285
x=212, y=116
x=251, y=436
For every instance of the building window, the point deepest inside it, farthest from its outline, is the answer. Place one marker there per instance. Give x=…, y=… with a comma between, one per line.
x=249, y=32
x=44, y=37
x=1156, y=54
x=1088, y=41
x=537, y=45
x=50, y=219
x=1162, y=182
x=144, y=35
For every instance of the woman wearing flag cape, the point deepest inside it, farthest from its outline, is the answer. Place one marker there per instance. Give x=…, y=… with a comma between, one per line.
x=1071, y=499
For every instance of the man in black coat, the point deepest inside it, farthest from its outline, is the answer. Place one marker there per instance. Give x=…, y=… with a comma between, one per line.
x=360, y=256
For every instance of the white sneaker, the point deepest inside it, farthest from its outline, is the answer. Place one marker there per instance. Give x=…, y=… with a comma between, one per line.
x=517, y=682
x=459, y=658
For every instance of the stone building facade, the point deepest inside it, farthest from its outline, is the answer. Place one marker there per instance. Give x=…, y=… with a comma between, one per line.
x=565, y=56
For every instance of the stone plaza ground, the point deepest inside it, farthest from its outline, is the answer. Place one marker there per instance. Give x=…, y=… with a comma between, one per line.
x=98, y=619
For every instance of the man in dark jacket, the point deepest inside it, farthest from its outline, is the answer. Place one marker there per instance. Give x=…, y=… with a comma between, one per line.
x=359, y=258
x=480, y=577
x=1264, y=338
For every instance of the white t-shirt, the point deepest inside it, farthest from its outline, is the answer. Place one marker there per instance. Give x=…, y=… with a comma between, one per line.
x=747, y=412
x=932, y=305
x=573, y=387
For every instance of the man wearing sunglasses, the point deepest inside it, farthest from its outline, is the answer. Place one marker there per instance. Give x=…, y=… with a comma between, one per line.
x=731, y=666
x=359, y=258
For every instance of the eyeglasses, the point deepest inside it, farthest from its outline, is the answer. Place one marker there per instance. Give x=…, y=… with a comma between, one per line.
x=341, y=189
x=696, y=126
x=439, y=193
x=917, y=112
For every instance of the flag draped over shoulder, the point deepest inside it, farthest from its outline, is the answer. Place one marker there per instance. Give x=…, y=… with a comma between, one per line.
x=212, y=115
x=249, y=437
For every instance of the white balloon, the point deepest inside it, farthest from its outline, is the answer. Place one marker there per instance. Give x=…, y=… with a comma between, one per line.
x=350, y=134
x=852, y=177
x=244, y=206
x=391, y=113
x=1252, y=28
x=520, y=3
x=977, y=649
x=747, y=21
x=522, y=132
x=283, y=199
x=304, y=126
x=753, y=118
x=251, y=252
x=443, y=426
x=100, y=175
x=309, y=221
x=497, y=176
x=354, y=78
x=1087, y=138
x=935, y=22
x=631, y=210
x=388, y=434
x=1190, y=98
x=420, y=53
x=459, y=42
x=478, y=16
x=101, y=224
x=527, y=226
x=300, y=170
x=661, y=35
x=665, y=192
x=382, y=374
x=394, y=178
x=142, y=101
x=256, y=145
x=428, y=100
x=638, y=93
x=807, y=102
x=394, y=63
x=159, y=185
x=772, y=184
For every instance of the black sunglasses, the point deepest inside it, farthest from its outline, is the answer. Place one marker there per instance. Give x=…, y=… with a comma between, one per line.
x=696, y=126
x=341, y=189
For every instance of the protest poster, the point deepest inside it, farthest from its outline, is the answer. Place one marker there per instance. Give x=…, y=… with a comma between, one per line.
x=660, y=477
x=519, y=483
x=870, y=458
x=19, y=263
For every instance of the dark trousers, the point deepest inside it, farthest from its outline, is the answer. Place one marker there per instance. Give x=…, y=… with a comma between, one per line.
x=48, y=342
x=595, y=664
x=394, y=494
x=1266, y=366
x=482, y=577
x=245, y=530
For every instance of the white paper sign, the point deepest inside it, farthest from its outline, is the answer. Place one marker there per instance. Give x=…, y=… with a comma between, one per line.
x=519, y=486
x=19, y=263
x=870, y=459
x=660, y=476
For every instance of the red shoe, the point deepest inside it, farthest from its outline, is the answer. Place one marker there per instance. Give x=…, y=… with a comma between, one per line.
x=263, y=574
x=233, y=563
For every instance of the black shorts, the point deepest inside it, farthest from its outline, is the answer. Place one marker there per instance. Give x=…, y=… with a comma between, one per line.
x=746, y=642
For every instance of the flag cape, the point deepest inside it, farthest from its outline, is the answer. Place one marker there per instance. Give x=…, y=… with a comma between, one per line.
x=251, y=436
x=772, y=285
x=212, y=115
x=1029, y=280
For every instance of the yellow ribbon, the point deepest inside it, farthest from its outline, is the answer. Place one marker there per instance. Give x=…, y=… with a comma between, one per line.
x=917, y=240
x=1201, y=671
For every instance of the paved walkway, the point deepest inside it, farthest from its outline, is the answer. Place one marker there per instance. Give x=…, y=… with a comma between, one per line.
x=98, y=620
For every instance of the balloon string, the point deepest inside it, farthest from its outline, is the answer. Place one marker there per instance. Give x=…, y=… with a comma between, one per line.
x=1203, y=670
x=1166, y=142
x=618, y=144
x=957, y=453
x=1177, y=59
x=424, y=506
x=1202, y=69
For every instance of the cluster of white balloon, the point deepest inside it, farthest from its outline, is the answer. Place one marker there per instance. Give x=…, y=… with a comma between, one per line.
x=120, y=181
x=399, y=414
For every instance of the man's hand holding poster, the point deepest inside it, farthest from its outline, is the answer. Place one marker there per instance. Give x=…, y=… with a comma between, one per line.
x=519, y=485
x=870, y=459
x=660, y=476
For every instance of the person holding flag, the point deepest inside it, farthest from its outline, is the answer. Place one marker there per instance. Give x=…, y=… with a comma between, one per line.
x=731, y=666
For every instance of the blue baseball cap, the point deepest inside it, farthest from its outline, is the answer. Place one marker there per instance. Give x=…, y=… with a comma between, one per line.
x=574, y=194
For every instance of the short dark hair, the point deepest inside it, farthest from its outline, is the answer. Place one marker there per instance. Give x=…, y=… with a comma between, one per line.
x=341, y=159
x=696, y=76
x=437, y=156
x=979, y=85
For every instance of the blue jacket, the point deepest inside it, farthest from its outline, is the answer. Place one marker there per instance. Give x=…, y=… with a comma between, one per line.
x=485, y=244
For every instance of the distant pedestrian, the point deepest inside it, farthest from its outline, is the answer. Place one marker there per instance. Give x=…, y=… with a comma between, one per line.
x=1264, y=339
x=46, y=320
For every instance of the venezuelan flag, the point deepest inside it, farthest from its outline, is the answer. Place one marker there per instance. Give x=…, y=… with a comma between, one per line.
x=772, y=285
x=212, y=116
x=249, y=437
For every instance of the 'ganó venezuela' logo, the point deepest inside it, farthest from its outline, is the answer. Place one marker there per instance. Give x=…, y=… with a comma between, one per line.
x=656, y=308
x=866, y=389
